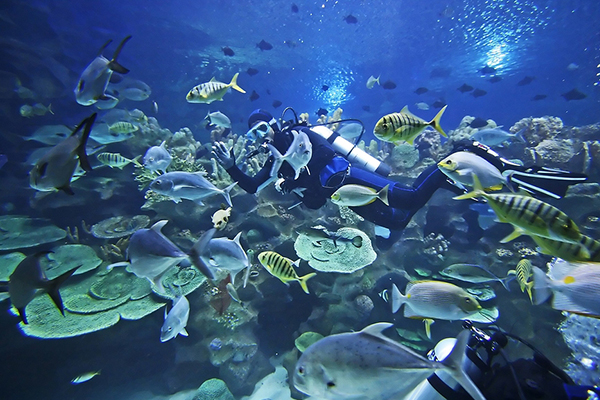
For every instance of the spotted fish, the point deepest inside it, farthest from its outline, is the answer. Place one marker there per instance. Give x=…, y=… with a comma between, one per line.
x=211, y=91
x=528, y=215
x=405, y=126
x=283, y=268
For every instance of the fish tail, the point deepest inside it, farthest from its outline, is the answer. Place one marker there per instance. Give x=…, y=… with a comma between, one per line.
x=435, y=122
x=397, y=298
x=113, y=64
x=227, y=195
x=49, y=108
x=477, y=190
x=383, y=194
x=136, y=161
x=377, y=80
x=541, y=287
x=302, y=280
x=88, y=122
x=198, y=250
x=506, y=280
x=234, y=84
x=453, y=362
x=528, y=287
x=55, y=284
x=517, y=232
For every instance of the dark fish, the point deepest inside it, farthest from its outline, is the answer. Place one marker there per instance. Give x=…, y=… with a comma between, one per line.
x=389, y=85
x=478, y=123
x=277, y=103
x=465, y=88
x=350, y=19
x=27, y=278
x=227, y=51
x=539, y=97
x=322, y=111
x=294, y=8
x=421, y=90
x=495, y=79
x=478, y=93
x=264, y=45
x=440, y=73
x=366, y=108
x=487, y=70
x=324, y=88
x=252, y=71
x=574, y=95
x=438, y=104
x=526, y=81
x=254, y=96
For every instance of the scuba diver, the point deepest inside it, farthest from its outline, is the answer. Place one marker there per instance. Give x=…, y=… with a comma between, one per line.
x=336, y=162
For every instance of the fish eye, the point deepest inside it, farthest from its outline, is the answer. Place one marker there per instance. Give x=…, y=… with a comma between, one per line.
x=384, y=126
x=467, y=300
x=301, y=370
x=330, y=384
x=169, y=329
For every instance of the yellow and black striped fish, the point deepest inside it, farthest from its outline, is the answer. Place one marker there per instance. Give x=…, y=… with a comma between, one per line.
x=123, y=127
x=528, y=215
x=524, y=271
x=404, y=126
x=587, y=249
x=115, y=160
x=283, y=268
x=212, y=90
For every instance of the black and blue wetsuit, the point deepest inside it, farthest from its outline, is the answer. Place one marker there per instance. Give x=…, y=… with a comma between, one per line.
x=404, y=200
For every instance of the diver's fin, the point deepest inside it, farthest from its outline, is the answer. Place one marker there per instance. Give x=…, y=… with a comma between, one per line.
x=544, y=181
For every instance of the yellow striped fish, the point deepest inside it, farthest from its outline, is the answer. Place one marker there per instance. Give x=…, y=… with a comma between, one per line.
x=528, y=215
x=115, y=160
x=587, y=249
x=283, y=268
x=524, y=271
x=211, y=91
x=404, y=126
x=123, y=127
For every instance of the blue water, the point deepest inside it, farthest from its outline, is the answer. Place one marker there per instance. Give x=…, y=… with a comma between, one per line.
x=177, y=45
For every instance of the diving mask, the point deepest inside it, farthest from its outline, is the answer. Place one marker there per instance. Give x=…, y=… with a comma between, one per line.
x=259, y=131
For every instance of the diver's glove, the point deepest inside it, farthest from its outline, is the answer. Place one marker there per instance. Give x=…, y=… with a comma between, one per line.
x=224, y=157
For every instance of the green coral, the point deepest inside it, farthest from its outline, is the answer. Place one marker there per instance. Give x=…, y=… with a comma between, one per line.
x=65, y=258
x=18, y=232
x=213, y=389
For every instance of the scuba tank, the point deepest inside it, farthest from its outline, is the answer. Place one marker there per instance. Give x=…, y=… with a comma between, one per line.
x=356, y=156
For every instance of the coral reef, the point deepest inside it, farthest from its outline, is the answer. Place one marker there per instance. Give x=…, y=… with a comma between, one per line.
x=69, y=256
x=344, y=256
x=183, y=146
x=538, y=129
x=119, y=226
x=213, y=389
x=403, y=157
x=20, y=232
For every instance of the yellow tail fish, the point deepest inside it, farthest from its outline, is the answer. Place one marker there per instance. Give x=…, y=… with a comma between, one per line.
x=404, y=126
x=283, y=268
x=212, y=90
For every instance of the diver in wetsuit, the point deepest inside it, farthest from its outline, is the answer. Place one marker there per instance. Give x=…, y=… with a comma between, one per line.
x=330, y=169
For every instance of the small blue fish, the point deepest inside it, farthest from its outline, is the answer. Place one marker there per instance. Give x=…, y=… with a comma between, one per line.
x=176, y=320
x=188, y=185
x=157, y=158
x=95, y=77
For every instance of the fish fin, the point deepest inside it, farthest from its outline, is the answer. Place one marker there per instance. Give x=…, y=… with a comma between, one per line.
x=405, y=111
x=528, y=287
x=397, y=299
x=494, y=188
x=55, y=284
x=376, y=329
x=83, y=160
x=136, y=161
x=477, y=190
x=3, y=286
x=234, y=84
x=511, y=272
x=183, y=332
x=104, y=46
x=213, y=79
x=113, y=64
x=428, y=322
x=198, y=250
x=157, y=227
x=517, y=232
x=302, y=280
x=453, y=363
x=485, y=315
x=227, y=195
x=383, y=194
x=22, y=314
x=67, y=189
x=50, y=109
x=435, y=122
x=541, y=286
x=504, y=281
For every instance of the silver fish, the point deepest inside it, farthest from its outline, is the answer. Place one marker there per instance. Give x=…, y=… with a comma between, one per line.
x=227, y=254
x=474, y=273
x=188, y=185
x=462, y=165
x=50, y=134
x=84, y=377
x=103, y=135
x=176, y=320
x=95, y=77
x=131, y=89
x=157, y=158
x=54, y=170
x=350, y=130
x=29, y=277
x=496, y=136
x=297, y=155
x=367, y=365
x=372, y=81
x=219, y=119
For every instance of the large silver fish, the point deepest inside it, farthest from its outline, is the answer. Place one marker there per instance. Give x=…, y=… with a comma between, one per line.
x=227, y=254
x=367, y=365
x=95, y=77
x=462, y=165
x=187, y=185
x=176, y=320
x=55, y=169
x=27, y=279
x=157, y=158
x=297, y=155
